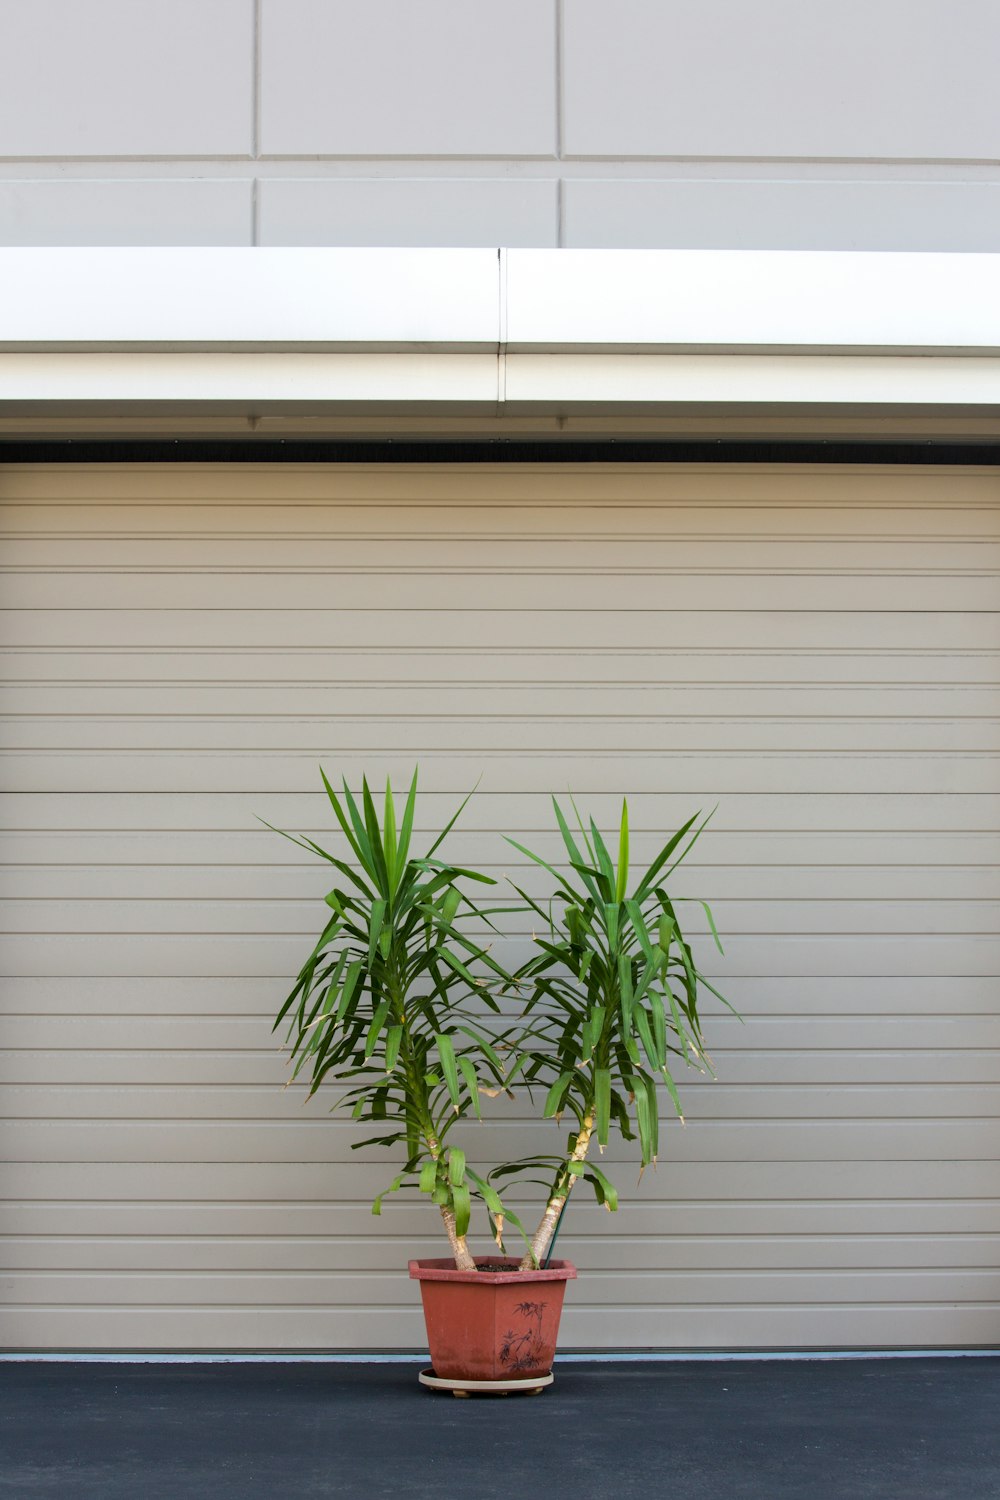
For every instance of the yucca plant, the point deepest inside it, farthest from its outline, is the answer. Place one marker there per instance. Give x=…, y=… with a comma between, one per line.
x=612, y=1002
x=389, y=1004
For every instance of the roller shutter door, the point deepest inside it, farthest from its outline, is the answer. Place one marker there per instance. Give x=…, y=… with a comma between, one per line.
x=815, y=649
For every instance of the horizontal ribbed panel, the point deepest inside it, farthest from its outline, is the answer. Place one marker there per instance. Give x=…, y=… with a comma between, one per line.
x=815, y=649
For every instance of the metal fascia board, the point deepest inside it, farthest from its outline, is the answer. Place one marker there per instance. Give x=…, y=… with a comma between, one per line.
x=744, y=301
x=245, y=299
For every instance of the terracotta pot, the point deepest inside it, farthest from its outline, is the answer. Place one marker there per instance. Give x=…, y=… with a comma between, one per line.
x=491, y=1325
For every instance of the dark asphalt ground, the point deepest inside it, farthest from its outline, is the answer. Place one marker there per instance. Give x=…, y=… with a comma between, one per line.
x=909, y=1429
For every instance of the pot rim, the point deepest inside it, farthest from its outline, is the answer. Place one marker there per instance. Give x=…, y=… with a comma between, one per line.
x=445, y=1270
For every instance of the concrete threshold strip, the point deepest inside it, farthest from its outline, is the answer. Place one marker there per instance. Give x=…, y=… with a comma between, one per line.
x=604, y=1357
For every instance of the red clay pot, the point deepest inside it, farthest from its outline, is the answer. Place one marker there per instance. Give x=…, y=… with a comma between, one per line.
x=491, y=1325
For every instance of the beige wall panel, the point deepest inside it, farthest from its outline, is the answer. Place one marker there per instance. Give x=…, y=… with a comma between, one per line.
x=748, y=813
x=316, y=1254
x=333, y=1326
x=199, y=954
x=817, y=649
x=702, y=1102
x=630, y=722
x=468, y=667
x=291, y=883
x=496, y=590
x=224, y=916
x=686, y=516
x=883, y=858
x=596, y=556
x=339, y=1227
x=772, y=1034
x=281, y=1182
x=926, y=1069
x=795, y=996
x=323, y=1141
x=256, y=779
x=337, y=487
x=389, y=1290
x=252, y=849
x=574, y=630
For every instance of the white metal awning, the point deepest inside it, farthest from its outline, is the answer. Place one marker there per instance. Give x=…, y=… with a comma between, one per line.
x=279, y=341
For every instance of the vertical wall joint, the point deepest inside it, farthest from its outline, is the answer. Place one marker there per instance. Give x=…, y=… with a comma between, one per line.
x=502, y=329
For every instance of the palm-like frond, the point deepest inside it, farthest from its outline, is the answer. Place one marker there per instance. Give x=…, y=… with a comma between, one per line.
x=389, y=1004
x=612, y=996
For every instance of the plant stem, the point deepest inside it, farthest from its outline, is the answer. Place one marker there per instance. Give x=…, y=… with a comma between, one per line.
x=464, y=1260
x=547, y=1228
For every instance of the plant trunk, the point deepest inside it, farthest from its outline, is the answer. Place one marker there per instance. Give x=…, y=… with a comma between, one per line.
x=553, y=1209
x=459, y=1248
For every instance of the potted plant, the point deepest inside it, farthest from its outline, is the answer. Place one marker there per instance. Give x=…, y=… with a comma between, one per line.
x=390, y=1006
